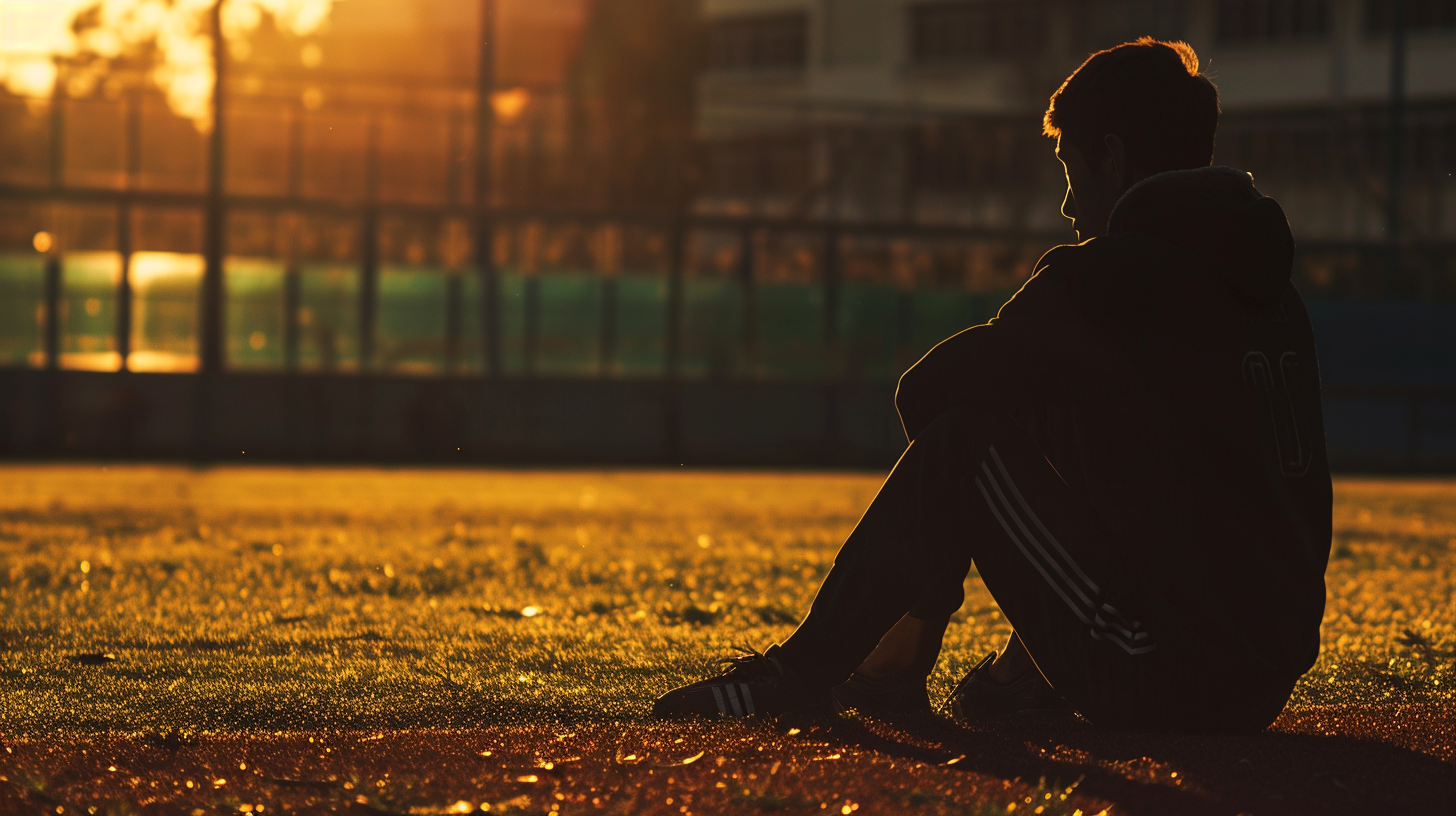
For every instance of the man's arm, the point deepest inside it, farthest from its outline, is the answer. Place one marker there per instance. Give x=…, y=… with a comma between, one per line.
x=1003, y=360
x=976, y=364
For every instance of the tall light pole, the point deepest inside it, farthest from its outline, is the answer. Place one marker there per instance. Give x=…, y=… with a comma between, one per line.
x=210, y=320
x=484, y=221
x=1395, y=157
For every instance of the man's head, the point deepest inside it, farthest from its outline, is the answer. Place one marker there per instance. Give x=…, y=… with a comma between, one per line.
x=1127, y=113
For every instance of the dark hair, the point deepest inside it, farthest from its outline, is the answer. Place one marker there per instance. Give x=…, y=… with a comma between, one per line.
x=1151, y=94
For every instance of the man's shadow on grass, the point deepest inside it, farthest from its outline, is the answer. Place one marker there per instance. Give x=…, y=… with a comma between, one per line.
x=1268, y=772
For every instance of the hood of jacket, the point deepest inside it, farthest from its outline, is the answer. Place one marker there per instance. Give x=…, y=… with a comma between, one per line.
x=1224, y=225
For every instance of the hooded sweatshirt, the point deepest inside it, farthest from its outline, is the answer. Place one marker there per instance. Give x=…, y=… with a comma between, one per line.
x=1168, y=371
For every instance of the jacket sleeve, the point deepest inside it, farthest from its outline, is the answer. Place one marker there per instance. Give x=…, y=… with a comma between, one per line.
x=977, y=364
x=1002, y=361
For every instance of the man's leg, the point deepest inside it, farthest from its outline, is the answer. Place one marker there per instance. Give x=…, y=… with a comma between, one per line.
x=891, y=564
x=974, y=485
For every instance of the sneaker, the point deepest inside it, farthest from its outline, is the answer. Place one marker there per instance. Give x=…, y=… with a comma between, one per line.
x=751, y=684
x=883, y=696
x=978, y=697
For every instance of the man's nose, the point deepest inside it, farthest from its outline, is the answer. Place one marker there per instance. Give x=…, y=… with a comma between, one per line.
x=1069, y=205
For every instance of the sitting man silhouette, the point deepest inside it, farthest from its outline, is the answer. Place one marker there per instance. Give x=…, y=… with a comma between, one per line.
x=1131, y=454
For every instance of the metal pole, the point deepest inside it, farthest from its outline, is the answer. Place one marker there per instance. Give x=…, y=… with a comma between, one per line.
x=123, y=226
x=608, y=262
x=58, y=129
x=672, y=362
x=831, y=290
x=210, y=325
x=292, y=302
x=673, y=340
x=748, y=307
x=52, y=295
x=369, y=251
x=123, y=286
x=1395, y=163
x=52, y=283
x=607, y=339
x=484, y=222
x=454, y=290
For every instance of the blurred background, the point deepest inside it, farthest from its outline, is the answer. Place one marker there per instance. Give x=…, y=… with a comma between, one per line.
x=645, y=231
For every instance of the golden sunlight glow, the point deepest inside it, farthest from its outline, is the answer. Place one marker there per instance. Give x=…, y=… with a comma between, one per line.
x=35, y=34
x=509, y=104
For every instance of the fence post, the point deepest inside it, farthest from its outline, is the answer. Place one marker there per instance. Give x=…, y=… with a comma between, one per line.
x=672, y=333
x=210, y=324
x=749, y=310
x=369, y=251
x=123, y=286
x=454, y=313
x=52, y=283
x=123, y=227
x=831, y=296
x=1395, y=158
x=484, y=222
x=832, y=385
x=368, y=287
x=608, y=341
x=531, y=331
x=673, y=340
x=292, y=302
x=52, y=295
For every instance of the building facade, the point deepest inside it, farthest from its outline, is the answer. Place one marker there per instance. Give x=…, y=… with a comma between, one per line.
x=928, y=111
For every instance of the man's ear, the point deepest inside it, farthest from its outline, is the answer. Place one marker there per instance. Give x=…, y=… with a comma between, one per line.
x=1114, y=166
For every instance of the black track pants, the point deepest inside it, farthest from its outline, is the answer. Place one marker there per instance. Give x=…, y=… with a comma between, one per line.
x=974, y=487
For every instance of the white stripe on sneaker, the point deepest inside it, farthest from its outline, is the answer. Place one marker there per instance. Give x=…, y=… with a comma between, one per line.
x=718, y=695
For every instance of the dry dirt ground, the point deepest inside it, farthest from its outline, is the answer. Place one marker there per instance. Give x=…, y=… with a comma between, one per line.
x=369, y=641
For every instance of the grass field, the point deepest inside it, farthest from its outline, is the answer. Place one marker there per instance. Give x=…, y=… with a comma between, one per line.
x=261, y=639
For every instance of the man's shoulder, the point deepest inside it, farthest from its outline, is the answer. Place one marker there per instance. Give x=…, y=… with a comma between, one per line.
x=1100, y=278
x=1053, y=286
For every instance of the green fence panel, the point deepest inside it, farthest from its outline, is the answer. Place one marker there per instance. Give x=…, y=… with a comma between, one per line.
x=940, y=313
x=165, y=311
x=788, y=331
x=512, y=289
x=641, y=320
x=89, y=282
x=22, y=309
x=472, y=339
x=712, y=323
x=328, y=317
x=569, y=324
x=409, y=333
x=255, y=313
x=869, y=331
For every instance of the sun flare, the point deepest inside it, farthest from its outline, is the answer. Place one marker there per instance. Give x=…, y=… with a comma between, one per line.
x=37, y=37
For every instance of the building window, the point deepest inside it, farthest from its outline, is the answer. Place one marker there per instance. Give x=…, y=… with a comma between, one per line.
x=775, y=42
x=961, y=31
x=1270, y=21
x=1108, y=23
x=759, y=167
x=968, y=156
x=1420, y=15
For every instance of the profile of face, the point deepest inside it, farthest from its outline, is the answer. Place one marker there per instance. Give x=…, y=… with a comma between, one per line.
x=1094, y=185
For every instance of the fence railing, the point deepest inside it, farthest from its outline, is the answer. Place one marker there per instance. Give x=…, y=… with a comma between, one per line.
x=316, y=286
x=575, y=296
